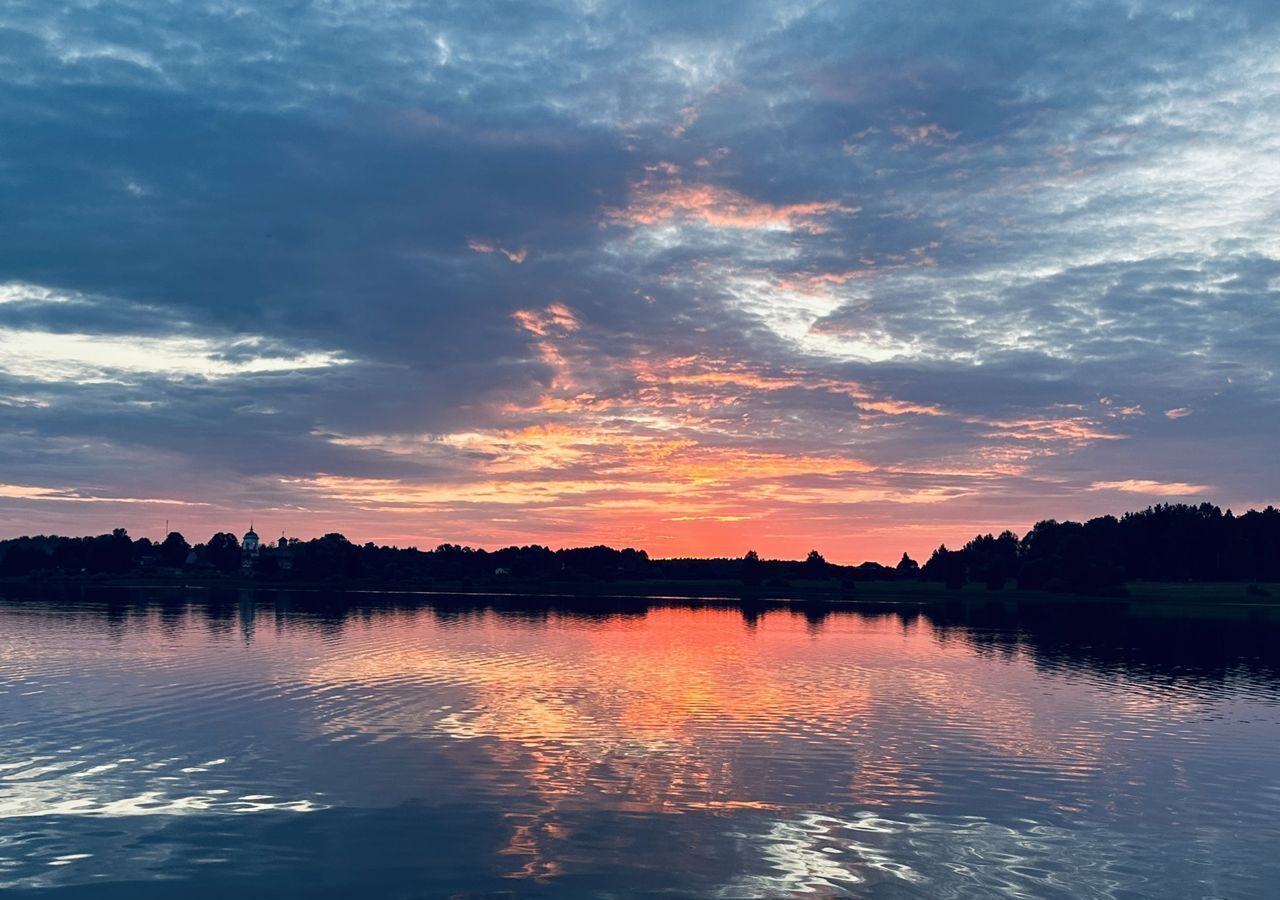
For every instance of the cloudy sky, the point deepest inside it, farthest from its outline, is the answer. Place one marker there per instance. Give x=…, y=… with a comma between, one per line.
x=858, y=276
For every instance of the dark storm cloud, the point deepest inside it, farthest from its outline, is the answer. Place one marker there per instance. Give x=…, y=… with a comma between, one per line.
x=444, y=244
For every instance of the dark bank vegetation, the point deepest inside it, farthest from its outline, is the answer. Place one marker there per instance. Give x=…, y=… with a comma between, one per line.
x=1169, y=543
x=1166, y=543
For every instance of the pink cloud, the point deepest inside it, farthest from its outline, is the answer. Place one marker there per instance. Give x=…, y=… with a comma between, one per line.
x=672, y=200
x=928, y=133
x=1114, y=410
x=818, y=282
x=712, y=158
x=483, y=246
x=688, y=115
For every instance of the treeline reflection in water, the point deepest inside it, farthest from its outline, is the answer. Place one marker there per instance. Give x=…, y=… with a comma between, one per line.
x=291, y=743
x=1117, y=639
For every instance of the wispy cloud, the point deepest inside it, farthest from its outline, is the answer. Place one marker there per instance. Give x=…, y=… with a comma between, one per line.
x=1152, y=488
x=649, y=275
x=659, y=201
x=74, y=495
x=479, y=246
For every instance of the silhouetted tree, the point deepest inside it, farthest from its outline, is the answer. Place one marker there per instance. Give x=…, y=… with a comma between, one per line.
x=992, y=560
x=223, y=551
x=634, y=563
x=599, y=563
x=946, y=566
x=814, y=565
x=109, y=552
x=332, y=556
x=22, y=557
x=174, y=549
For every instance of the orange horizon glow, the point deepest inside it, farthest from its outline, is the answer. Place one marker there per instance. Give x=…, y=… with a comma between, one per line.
x=753, y=279
x=679, y=455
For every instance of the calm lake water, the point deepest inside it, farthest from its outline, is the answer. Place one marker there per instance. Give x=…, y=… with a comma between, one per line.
x=171, y=744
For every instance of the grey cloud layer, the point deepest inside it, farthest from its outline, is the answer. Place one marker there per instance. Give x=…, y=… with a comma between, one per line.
x=1032, y=212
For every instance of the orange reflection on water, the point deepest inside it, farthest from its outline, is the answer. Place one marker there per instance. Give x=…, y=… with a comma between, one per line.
x=686, y=710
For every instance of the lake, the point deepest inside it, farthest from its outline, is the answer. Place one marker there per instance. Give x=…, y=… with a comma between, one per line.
x=168, y=743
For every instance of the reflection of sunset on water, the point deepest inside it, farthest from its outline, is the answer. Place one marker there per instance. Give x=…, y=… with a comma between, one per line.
x=694, y=710
x=759, y=751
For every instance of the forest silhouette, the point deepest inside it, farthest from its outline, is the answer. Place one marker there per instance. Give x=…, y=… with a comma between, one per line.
x=1164, y=543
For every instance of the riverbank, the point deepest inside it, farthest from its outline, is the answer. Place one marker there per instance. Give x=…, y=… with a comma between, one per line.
x=1167, y=598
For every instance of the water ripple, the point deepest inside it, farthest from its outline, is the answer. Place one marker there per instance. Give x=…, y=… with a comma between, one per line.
x=866, y=755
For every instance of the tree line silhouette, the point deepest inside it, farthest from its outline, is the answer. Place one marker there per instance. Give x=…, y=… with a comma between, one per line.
x=1169, y=542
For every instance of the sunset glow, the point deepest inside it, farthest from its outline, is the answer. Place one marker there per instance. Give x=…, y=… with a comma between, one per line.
x=773, y=276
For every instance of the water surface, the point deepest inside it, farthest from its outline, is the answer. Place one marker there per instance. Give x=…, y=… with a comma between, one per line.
x=192, y=744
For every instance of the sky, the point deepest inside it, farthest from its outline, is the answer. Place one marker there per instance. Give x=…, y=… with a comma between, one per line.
x=698, y=278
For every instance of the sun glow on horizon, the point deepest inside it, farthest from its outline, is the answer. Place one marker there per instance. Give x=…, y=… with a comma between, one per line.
x=629, y=279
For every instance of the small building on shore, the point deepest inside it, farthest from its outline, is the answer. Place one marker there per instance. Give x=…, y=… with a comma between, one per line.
x=269, y=559
x=249, y=550
x=282, y=554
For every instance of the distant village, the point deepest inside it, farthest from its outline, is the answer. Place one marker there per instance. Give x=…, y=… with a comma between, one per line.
x=253, y=553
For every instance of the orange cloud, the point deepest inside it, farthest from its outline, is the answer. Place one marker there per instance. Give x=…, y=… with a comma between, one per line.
x=671, y=200
x=718, y=373
x=688, y=454
x=1073, y=429
x=900, y=407
x=555, y=317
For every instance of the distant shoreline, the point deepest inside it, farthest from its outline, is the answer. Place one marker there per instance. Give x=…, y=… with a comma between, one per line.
x=1238, y=596
x=1101, y=558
